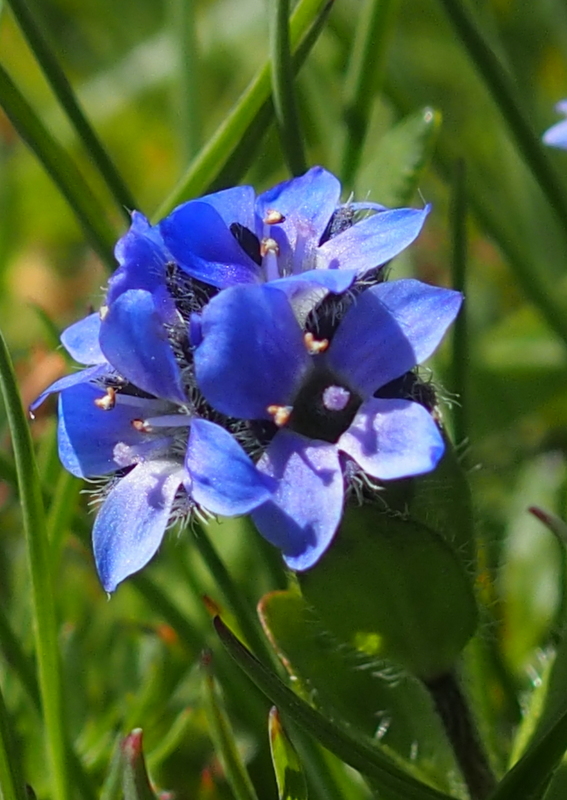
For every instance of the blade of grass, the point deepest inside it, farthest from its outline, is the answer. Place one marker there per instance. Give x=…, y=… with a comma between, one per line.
x=32, y=30
x=45, y=624
x=460, y=357
x=11, y=783
x=506, y=98
x=206, y=166
x=364, y=76
x=358, y=754
x=60, y=167
x=243, y=155
x=223, y=736
x=186, y=95
x=283, y=89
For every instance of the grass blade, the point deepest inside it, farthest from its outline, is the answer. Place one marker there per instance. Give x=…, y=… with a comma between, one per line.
x=207, y=165
x=504, y=95
x=30, y=25
x=283, y=90
x=60, y=167
x=45, y=625
x=364, y=75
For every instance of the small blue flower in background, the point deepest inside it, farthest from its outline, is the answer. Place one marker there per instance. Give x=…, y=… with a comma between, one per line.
x=320, y=395
x=137, y=417
x=556, y=136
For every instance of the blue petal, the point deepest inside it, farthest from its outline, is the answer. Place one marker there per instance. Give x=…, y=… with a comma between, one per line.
x=134, y=340
x=306, y=509
x=222, y=478
x=142, y=257
x=88, y=435
x=80, y=340
x=252, y=355
x=308, y=202
x=373, y=241
x=393, y=439
x=204, y=247
x=84, y=376
x=131, y=523
x=392, y=327
x=234, y=205
x=334, y=280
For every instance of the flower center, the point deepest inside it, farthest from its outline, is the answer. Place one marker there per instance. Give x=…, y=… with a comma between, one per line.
x=323, y=408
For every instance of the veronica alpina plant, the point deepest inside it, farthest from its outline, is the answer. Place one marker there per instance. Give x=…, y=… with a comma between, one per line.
x=136, y=413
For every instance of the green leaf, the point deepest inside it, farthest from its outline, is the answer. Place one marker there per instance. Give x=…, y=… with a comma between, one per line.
x=359, y=754
x=365, y=693
x=135, y=780
x=402, y=154
x=529, y=778
x=224, y=738
x=393, y=588
x=45, y=622
x=289, y=773
x=11, y=783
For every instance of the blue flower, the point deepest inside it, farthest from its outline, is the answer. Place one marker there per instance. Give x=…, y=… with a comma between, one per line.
x=295, y=232
x=133, y=415
x=556, y=136
x=315, y=399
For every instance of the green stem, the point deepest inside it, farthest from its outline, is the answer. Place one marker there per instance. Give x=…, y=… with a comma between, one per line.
x=283, y=89
x=505, y=96
x=90, y=213
x=463, y=736
x=460, y=358
x=32, y=30
x=364, y=77
x=206, y=166
x=45, y=623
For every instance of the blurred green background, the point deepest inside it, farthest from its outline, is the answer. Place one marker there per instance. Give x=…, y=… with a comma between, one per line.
x=156, y=79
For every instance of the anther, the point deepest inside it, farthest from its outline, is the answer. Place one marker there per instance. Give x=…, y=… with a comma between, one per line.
x=103, y=311
x=315, y=346
x=141, y=425
x=107, y=402
x=273, y=217
x=281, y=414
x=269, y=245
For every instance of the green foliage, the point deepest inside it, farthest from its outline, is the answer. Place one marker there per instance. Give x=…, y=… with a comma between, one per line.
x=442, y=102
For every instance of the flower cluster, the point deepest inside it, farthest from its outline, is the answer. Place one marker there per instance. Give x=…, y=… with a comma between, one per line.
x=250, y=358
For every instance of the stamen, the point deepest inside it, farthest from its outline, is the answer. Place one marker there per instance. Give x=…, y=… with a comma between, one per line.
x=269, y=250
x=141, y=425
x=273, y=217
x=103, y=311
x=315, y=346
x=269, y=245
x=281, y=414
x=107, y=402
